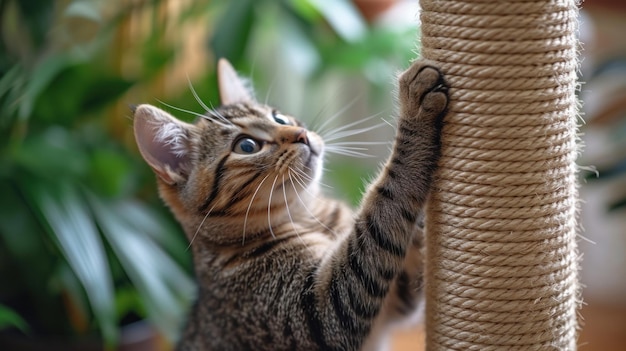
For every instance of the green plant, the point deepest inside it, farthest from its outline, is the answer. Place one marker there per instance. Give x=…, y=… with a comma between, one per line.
x=8, y=318
x=82, y=250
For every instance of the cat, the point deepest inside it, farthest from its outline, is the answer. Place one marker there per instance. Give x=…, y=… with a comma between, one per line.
x=279, y=266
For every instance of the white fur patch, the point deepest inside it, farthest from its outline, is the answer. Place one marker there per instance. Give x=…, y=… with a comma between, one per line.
x=173, y=135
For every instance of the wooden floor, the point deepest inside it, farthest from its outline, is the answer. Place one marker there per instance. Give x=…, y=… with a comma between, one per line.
x=604, y=329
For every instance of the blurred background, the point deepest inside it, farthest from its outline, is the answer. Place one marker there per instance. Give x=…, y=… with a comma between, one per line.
x=90, y=259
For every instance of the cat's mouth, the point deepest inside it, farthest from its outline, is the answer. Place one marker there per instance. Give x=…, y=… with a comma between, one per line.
x=298, y=157
x=301, y=159
x=315, y=148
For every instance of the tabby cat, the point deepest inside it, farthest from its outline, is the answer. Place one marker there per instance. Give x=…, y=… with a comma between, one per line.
x=279, y=266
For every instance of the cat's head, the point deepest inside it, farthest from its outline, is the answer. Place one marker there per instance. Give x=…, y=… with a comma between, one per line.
x=235, y=162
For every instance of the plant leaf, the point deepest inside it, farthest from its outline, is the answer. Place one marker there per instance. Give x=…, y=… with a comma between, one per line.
x=30, y=264
x=52, y=154
x=84, y=9
x=42, y=75
x=8, y=318
x=73, y=228
x=343, y=17
x=146, y=220
x=164, y=287
x=11, y=86
x=8, y=79
x=232, y=32
x=298, y=48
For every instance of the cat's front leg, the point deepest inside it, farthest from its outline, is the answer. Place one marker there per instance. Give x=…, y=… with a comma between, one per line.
x=345, y=295
x=423, y=96
x=423, y=99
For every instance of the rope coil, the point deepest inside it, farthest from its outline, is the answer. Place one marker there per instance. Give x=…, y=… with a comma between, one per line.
x=502, y=263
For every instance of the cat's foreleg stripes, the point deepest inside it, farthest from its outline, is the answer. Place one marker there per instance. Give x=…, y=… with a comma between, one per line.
x=357, y=276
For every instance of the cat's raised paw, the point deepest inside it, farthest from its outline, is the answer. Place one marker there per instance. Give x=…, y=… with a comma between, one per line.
x=423, y=92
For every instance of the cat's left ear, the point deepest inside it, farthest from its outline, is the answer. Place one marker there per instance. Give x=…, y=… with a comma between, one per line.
x=163, y=142
x=232, y=88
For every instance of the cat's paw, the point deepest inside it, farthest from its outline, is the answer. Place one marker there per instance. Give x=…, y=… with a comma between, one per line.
x=423, y=93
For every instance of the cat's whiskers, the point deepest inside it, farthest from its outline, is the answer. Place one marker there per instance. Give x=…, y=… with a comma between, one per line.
x=210, y=111
x=298, y=179
x=199, y=227
x=218, y=121
x=309, y=178
x=195, y=94
x=389, y=123
x=306, y=208
x=352, y=143
x=330, y=131
x=269, y=208
x=317, y=118
x=303, y=184
x=245, y=220
x=219, y=116
x=214, y=112
x=293, y=224
x=298, y=175
x=344, y=133
x=302, y=173
x=352, y=148
x=322, y=129
x=351, y=152
x=269, y=90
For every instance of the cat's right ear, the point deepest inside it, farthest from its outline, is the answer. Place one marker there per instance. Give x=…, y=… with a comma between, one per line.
x=232, y=88
x=163, y=142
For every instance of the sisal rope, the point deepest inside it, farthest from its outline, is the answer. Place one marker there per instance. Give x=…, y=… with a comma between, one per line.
x=502, y=262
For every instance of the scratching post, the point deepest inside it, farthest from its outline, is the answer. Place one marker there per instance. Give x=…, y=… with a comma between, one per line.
x=501, y=255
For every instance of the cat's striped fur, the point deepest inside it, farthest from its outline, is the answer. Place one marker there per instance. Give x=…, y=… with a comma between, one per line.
x=279, y=266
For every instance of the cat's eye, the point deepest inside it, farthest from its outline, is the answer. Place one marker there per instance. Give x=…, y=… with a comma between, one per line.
x=247, y=146
x=280, y=119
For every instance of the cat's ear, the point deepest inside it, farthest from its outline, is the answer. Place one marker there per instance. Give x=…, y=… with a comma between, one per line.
x=163, y=142
x=232, y=88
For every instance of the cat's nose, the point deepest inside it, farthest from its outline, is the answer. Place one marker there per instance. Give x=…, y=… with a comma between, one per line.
x=293, y=135
x=301, y=137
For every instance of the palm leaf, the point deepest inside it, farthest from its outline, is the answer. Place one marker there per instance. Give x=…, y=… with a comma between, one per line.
x=71, y=225
x=8, y=318
x=164, y=287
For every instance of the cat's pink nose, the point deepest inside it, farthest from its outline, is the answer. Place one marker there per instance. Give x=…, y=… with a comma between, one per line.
x=293, y=135
x=301, y=137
